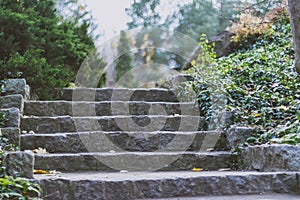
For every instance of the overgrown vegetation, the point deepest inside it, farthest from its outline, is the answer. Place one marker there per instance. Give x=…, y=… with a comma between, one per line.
x=260, y=84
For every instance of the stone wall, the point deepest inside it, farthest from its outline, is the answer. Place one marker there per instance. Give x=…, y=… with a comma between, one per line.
x=11, y=104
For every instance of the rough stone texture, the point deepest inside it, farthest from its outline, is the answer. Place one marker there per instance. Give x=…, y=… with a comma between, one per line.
x=117, y=94
x=17, y=86
x=112, y=123
x=127, y=141
x=19, y=164
x=111, y=186
x=13, y=117
x=275, y=157
x=237, y=135
x=12, y=134
x=133, y=161
x=12, y=101
x=58, y=108
x=223, y=43
x=181, y=78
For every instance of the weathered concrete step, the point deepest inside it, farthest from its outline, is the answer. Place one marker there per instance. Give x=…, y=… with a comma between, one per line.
x=127, y=141
x=142, y=185
x=119, y=94
x=133, y=161
x=107, y=108
x=112, y=123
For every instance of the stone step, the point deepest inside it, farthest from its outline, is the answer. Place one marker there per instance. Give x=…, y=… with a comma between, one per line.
x=120, y=94
x=107, y=108
x=147, y=185
x=263, y=196
x=133, y=161
x=127, y=141
x=112, y=123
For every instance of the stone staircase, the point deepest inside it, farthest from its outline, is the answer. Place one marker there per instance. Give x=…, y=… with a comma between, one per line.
x=84, y=136
x=134, y=144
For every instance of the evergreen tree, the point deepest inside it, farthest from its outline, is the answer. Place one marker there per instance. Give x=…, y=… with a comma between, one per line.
x=124, y=61
x=143, y=14
x=41, y=46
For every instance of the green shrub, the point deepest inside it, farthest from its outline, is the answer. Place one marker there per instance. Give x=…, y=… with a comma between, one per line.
x=39, y=45
x=18, y=189
x=260, y=84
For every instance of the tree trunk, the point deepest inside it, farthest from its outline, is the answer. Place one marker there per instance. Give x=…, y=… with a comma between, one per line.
x=294, y=10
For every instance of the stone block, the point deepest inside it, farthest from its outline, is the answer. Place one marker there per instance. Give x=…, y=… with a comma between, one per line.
x=13, y=117
x=12, y=134
x=275, y=157
x=17, y=86
x=19, y=164
x=236, y=135
x=12, y=101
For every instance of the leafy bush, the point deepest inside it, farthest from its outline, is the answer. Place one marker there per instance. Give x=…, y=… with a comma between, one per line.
x=19, y=189
x=260, y=84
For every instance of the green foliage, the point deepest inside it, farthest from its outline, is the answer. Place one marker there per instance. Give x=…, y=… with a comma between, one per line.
x=208, y=87
x=124, y=62
x=18, y=189
x=261, y=86
x=42, y=78
x=143, y=13
x=200, y=16
x=3, y=118
x=41, y=46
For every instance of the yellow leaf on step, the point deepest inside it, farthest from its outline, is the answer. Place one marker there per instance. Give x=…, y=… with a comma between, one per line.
x=39, y=171
x=197, y=169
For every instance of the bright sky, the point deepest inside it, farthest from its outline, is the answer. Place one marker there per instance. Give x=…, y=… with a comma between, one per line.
x=111, y=16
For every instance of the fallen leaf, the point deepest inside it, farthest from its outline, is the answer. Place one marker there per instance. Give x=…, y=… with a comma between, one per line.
x=197, y=169
x=54, y=172
x=39, y=171
x=282, y=107
x=40, y=151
